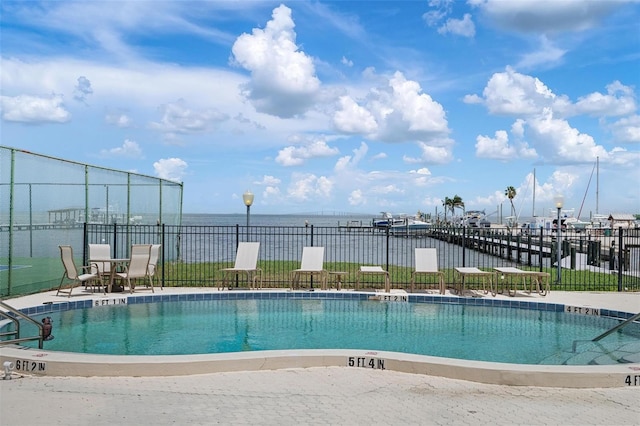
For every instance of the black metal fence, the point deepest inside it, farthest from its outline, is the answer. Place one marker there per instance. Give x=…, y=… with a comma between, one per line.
x=194, y=255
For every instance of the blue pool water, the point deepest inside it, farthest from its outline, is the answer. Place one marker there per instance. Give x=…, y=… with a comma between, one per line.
x=445, y=330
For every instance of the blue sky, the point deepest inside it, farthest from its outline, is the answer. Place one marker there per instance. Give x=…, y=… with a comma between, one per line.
x=345, y=106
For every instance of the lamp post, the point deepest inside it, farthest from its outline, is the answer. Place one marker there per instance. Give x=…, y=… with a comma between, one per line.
x=247, y=197
x=559, y=200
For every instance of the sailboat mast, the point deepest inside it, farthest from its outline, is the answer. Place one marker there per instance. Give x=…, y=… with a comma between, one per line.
x=597, y=182
x=533, y=212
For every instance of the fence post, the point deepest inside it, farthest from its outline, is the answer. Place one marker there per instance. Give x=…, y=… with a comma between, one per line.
x=162, y=240
x=115, y=239
x=540, y=252
x=387, y=243
x=85, y=256
x=620, y=261
x=237, y=244
x=464, y=246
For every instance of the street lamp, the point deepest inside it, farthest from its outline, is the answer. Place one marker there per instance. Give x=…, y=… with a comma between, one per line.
x=559, y=200
x=247, y=197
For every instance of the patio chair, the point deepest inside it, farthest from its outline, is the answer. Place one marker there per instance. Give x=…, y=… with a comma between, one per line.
x=246, y=263
x=312, y=264
x=153, y=261
x=427, y=264
x=137, y=267
x=71, y=273
x=100, y=251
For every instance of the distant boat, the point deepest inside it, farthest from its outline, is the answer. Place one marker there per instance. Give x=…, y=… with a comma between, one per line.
x=387, y=220
x=410, y=225
x=475, y=219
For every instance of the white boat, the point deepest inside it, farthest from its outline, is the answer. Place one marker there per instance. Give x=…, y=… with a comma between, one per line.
x=410, y=225
x=475, y=219
x=387, y=220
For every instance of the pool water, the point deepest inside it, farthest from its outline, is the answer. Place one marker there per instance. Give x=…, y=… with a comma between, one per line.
x=444, y=330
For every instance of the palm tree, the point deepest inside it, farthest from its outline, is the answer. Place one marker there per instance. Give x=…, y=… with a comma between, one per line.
x=457, y=203
x=452, y=204
x=446, y=203
x=510, y=193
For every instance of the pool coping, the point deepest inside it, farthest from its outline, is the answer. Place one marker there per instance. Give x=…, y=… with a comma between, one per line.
x=52, y=363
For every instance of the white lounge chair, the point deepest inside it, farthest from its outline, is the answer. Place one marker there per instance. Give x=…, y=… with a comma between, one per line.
x=247, y=264
x=100, y=251
x=427, y=264
x=153, y=260
x=71, y=273
x=312, y=264
x=137, y=267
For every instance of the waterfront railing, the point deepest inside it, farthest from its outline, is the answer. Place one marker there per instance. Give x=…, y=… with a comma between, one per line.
x=194, y=255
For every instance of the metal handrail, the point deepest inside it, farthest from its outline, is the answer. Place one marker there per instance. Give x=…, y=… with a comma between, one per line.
x=16, y=333
x=617, y=327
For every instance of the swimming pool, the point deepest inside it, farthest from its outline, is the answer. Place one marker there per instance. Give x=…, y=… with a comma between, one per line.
x=481, y=329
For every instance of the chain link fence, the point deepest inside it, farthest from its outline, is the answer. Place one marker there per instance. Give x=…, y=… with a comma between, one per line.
x=46, y=202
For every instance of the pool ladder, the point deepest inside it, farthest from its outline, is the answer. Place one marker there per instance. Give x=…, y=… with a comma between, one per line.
x=617, y=327
x=11, y=313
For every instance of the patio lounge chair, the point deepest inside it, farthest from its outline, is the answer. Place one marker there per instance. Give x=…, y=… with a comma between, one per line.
x=153, y=260
x=71, y=273
x=137, y=267
x=246, y=263
x=100, y=251
x=427, y=264
x=312, y=264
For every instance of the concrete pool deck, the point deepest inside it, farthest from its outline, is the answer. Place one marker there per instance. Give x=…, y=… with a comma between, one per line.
x=314, y=395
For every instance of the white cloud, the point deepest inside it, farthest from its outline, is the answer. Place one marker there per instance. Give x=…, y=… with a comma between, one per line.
x=440, y=9
x=421, y=176
x=512, y=93
x=139, y=84
x=627, y=130
x=498, y=148
x=295, y=156
x=170, y=168
x=304, y=187
x=555, y=140
x=352, y=118
x=178, y=119
x=349, y=162
x=462, y=27
x=547, y=16
x=269, y=181
x=129, y=149
x=472, y=99
x=619, y=100
x=82, y=89
x=356, y=198
x=283, y=80
x=346, y=62
x=402, y=112
x=34, y=109
x=547, y=54
x=387, y=189
x=271, y=193
x=431, y=154
x=422, y=171
x=119, y=120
